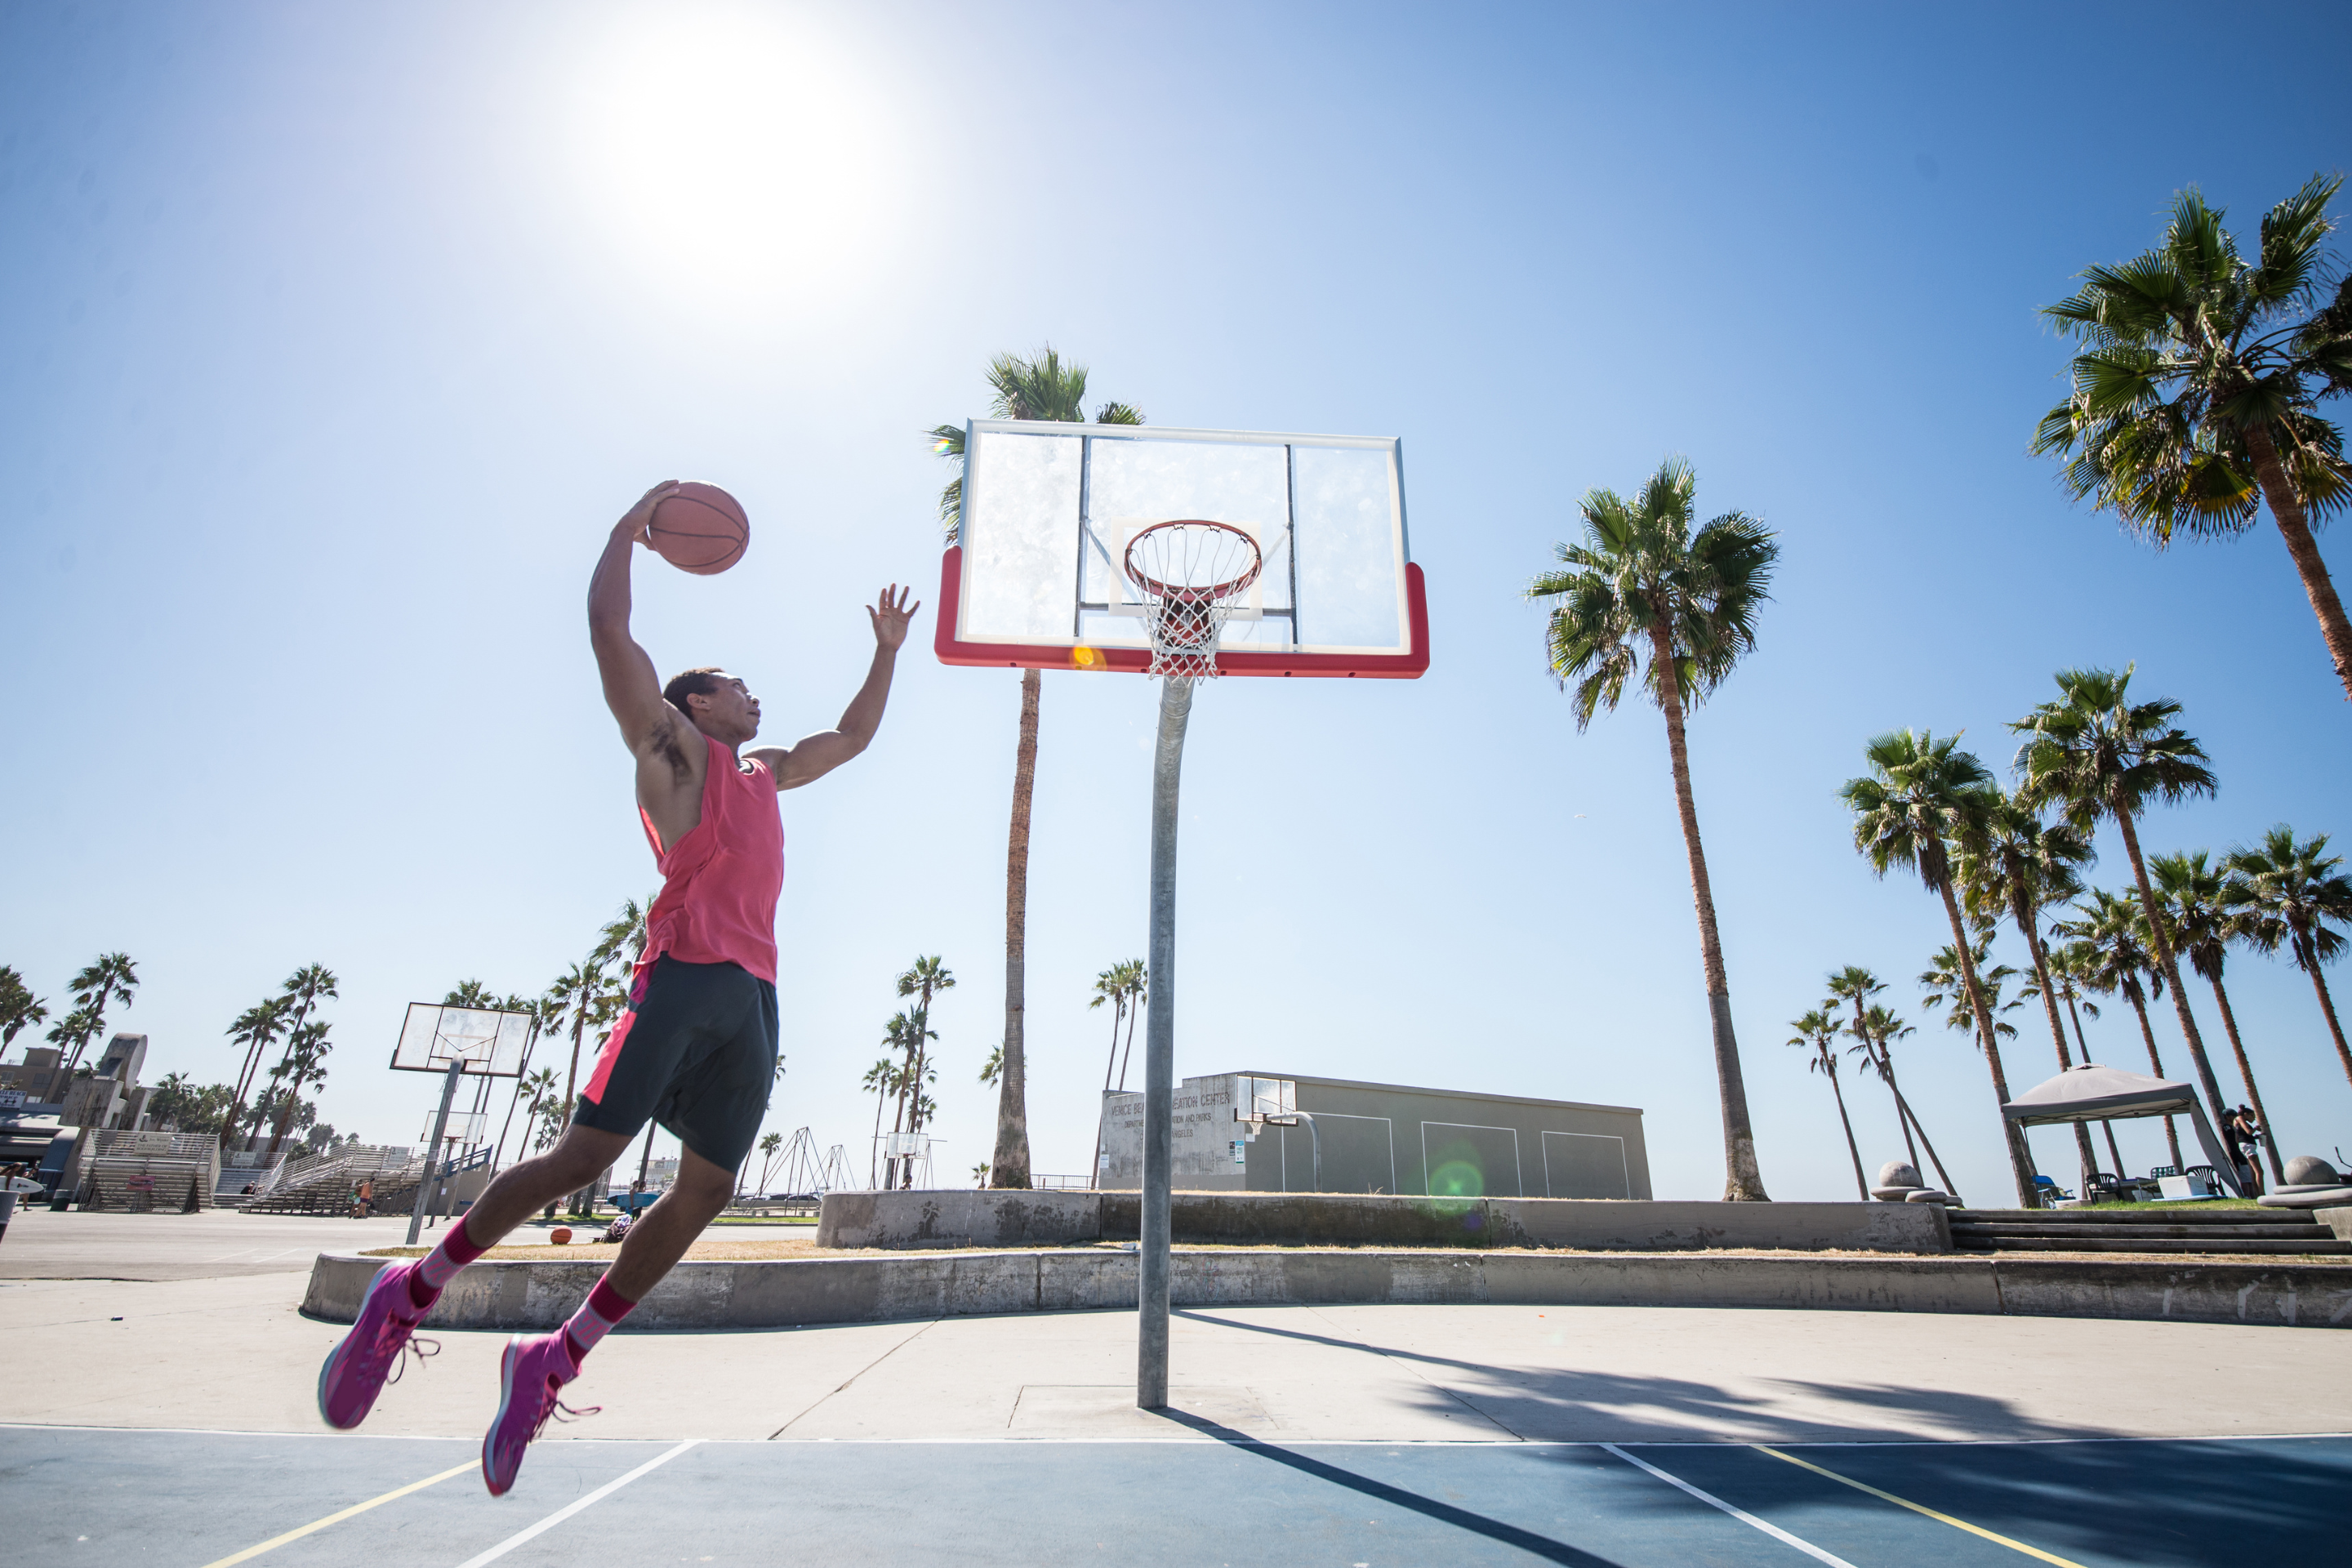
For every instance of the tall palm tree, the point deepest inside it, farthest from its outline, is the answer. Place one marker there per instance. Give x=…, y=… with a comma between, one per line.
x=1880, y=1028
x=2195, y=395
x=1122, y=986
x=1944, y=984
x=2297, y=896
x=257, y=1029
x=306, y=1051
x=576, y=995
x=2070, y=963
x=1647, y=596
x=95, y=988
x=1815, y=1032
x=1856, y=985
x=1040, y=386
x=469, y=994
x=2112, y=936
x=2095, y=754
x=72, y=1034
x=881, y=1081
x=924, y=979
x=18, y=1006
x=1923, y=802
x=2024, y=864
x=302, y=993
x=622, y=940
x=2203, y=921
x=1110, y=986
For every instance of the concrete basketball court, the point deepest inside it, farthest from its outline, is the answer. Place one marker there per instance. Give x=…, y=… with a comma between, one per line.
x=171, y=1420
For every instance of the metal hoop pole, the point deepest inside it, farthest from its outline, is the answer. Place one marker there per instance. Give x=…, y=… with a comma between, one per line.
x=1159, y=1055
x=433, y=1152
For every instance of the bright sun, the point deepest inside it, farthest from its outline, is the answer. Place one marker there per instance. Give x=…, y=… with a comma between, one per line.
x=737, y=154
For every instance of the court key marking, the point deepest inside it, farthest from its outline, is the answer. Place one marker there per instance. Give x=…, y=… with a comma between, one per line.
x=276, y=1541
x=1917, y=1508
x=1742, y=1515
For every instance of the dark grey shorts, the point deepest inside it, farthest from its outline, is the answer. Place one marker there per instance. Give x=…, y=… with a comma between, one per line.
x=695, y=1052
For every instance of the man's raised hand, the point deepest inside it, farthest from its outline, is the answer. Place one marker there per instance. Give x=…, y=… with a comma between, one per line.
x=891, y=620
x=635, y=521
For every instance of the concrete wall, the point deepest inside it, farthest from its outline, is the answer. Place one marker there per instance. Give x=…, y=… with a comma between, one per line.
x=995, y=1218
x=793, y=1293
x=1379, y=1138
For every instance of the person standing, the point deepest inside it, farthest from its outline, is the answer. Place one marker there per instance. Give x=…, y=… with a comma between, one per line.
x=696, y=1050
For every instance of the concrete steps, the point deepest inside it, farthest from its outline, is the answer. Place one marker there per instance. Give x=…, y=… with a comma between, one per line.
x=2225, y=1232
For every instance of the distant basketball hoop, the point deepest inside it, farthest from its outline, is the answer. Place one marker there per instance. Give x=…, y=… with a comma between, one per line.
x=455, y=1042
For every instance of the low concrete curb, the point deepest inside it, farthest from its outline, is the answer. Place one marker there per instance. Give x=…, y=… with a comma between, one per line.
x=795, y=1292
x=1006, y=1218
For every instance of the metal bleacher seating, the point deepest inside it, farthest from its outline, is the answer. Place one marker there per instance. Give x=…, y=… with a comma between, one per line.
x=322, y=1184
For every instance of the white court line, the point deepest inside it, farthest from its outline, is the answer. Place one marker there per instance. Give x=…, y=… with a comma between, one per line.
x=1744, y=1517
x=560, y=1515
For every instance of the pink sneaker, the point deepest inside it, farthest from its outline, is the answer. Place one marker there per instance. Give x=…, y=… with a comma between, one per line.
x=377, y=1344
x=533, y=1368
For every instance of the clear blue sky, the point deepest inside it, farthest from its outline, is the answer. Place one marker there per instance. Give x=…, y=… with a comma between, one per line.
x=333, y=339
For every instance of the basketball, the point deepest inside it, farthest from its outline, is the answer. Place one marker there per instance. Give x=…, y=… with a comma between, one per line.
x=699, y=529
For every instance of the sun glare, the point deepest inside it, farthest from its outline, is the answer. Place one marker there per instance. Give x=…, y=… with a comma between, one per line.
x=737, y=155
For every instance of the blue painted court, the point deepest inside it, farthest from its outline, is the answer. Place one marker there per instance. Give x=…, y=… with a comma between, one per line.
x=216, y=1498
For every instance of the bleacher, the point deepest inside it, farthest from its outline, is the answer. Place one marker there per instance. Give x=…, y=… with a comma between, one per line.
x=322, y=1184
x=155, y=1173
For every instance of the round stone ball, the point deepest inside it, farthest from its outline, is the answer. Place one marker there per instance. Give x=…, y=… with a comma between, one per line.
x=1896, y=1173
x=2310, y=1171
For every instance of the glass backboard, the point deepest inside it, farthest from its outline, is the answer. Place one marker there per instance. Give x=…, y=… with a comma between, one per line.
x=1036, y=574
x=490, y=1043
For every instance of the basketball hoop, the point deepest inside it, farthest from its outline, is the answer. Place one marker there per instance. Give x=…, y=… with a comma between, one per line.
x=1191, y=570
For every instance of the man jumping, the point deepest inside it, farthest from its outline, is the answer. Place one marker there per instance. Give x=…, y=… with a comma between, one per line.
x=696, y=1050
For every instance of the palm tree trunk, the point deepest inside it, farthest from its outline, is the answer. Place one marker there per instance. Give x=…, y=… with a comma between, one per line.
x=1117, y=1011
x=2172, y=966
x=881, y=1099
x=2109, y=1128
x=1852, y=1149
x=2287, y=511
x=2246, y=1071
x=2306, y=956
x=1128, y=1055
x=1010, y=1165
x=2171, y=1133
x=2020, y=1159
x=2022, y=911
x=1941, y=1174
x=1743, y=1180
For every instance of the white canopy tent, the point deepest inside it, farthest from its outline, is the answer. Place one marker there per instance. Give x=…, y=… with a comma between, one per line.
x=2095, y=1093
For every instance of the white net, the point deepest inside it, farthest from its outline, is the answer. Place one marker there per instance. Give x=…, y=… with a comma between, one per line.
x=1190, y=573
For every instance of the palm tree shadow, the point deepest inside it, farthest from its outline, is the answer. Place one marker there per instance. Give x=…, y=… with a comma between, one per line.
x=1495, y=1530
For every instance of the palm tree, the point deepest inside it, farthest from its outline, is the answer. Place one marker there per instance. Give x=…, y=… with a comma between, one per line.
x=882, y=1080
x=2112, y=937
x=1923, y=800
x=1815, y=1031
x=1645, y=596
x=532, y=1086
x=1880, y=1028
x=927, y=977
x=2294, y=891
x=2204, y=921
x=470, y=993
x=624, y=932
x=97, y=985
x=257, y=1029
x=1856, y=986
x=576, y=995
x=1039, y=388
x=1122, y=986
x=72, y=1034
x=306, y=1049
x=537, y=1009
x=992, y=1067
x=2024, y=864
x=1944, y=982
x=771, y=1147
x=2070, y=963
x=18, y=1006
x=2095, y=754
x=2195, y=395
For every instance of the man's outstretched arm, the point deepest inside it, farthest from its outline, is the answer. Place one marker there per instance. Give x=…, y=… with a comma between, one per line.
x=632, y=689
x=816, y=756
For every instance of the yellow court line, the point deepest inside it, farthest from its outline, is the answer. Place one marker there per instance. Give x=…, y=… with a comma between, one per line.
x=277, y=1541
x=1917, y=1508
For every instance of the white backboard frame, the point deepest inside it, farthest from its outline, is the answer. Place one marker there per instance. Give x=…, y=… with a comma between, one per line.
x=490, y=1040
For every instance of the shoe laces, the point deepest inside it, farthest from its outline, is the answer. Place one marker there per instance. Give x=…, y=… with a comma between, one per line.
x=554, y=1409
x=423, y=1349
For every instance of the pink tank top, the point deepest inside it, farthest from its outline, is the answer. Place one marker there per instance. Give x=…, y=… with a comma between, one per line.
x=721, y=879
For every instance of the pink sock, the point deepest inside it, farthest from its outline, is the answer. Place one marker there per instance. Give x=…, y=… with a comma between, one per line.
x=440, y=1265
x=594, y=1320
